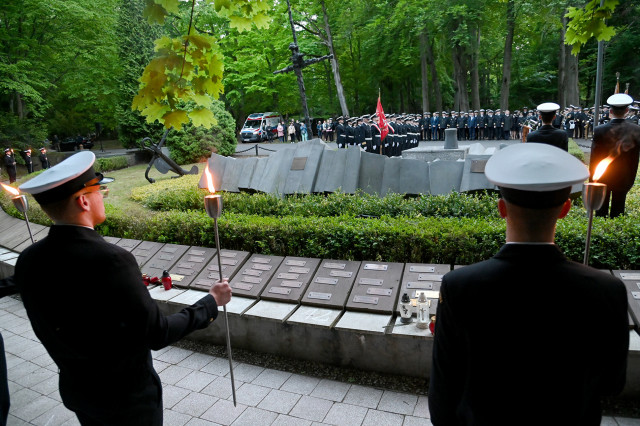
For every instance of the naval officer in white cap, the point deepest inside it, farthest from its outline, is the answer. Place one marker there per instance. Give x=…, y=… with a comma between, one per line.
x=547, y=133
x=89, y=308
x=528, y=337
x=620, y=139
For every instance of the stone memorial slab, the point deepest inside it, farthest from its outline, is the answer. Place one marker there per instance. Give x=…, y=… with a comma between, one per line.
x=422, y=277
x=352, y=170
x=112, y=240
x=631, y=280
x=232, y=172
x=232, y=261
x=414, y=177
x=364, y=322
x=256, y=178
x=473, y=177
x=160, y=294
x=246, y=175
x=332, y=283
x=217, y=165
x=267, y=309
x=254, y=275
x=445, y=176
x=275, y=172
x=433, y=153
x=311, y=315
x=450, y=138
x=145, y=251
x=188, y=297
x=371, y=165
x=330, y=171
x=391, y=176
x=376, y=287
x=190, y=265
x=305, y=164
x=291, y=279
x=238, y=305
x=164, y=259
x=128, y=244
x=402, y=329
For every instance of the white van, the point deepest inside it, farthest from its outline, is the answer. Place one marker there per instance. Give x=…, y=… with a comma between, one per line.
x=256, y=126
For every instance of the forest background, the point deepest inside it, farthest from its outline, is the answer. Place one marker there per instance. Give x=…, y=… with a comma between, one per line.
x=68, y=64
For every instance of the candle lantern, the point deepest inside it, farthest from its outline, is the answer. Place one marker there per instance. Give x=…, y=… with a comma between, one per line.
x=593, y=195
x=423, y=311
x=405, y=309
x=21, y=204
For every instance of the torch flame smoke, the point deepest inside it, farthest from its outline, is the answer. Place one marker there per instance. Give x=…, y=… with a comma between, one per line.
x=210, y=186
x=602, y=167
x=10, y=189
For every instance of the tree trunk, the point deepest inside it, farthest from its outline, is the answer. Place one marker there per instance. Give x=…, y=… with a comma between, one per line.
x=562, y=100
x=461, y=99
x=335, y=66
x=434, y=75
x=475, y=74
x=506, y=62
x=572, y=92
x=424, y=72
x=19, y=106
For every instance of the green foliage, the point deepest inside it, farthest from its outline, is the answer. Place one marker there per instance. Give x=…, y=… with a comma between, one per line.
x=194, y=144
x=589, y=21
x=575, y=150
x=21, y=134
x=110, y=163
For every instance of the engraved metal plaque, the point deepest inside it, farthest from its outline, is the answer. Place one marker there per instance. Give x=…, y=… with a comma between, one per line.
x=185, y=265
x=318, y=295
x=128, y=244
x=285, y=276
x=227, y=254
x=423, y=285
x=279, y=290
x=176, y=277
x=261, y=260
x=369, y=300
x=323, y=280
x=165, y=257
x=344, y=274
x=430, y=277
x=251, y=272
x=375, y=267
x=185, y=271
x=243, y=286
x=169, y=250
x=215, y=268
x=205, y=282
x=298, y=163
x=380, y=291
x=629, y=276
x=416, y=268
x=370, y=281
x=299, y=270
x=197, y=252
x=477, y=166
x=214, y=275
x=295, y=262
x=293, y=284
x=252, y=280
x=196, y=259
x=330, y=265
x=261, y=267
x=231, y=262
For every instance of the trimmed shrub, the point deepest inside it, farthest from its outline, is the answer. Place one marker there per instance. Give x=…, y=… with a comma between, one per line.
x=110, y=163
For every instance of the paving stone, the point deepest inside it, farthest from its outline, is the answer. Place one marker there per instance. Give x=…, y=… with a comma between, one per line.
x=14, y=387
x=416, y=421
x=345, y=414
x=47, y=386
x=223, y=412
x=173, y=374
x=250, y=394
x=23, y=397
x=303, y=385
x=377, y=418
x=155, y=354
x=35, y=408
x=363, y=396
x=171, y=395
x=13, y=360
x=218, y=367
x=196, y=361
x=14, y=421
x=220, y=387
x=624, y=421
x=311, y=408
x=200, y=422
x=422, y=407
x=255, y=416
x=246, y=372
x=55, y=395
x=160, y=365
x=72, y=422
x=396, y=402
x=195, y=404
x=279, y=401
x=271, y=378
x=608, y=421
x=196, y=381
x=54, y=417
x=284, y=420
x=43, y=360
x=174, y=355
x=35, y=377
x=21, y=370
x=331, y=389
x=173, y=418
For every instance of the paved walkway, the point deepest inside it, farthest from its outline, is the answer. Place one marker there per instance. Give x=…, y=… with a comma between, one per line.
x=197, y=390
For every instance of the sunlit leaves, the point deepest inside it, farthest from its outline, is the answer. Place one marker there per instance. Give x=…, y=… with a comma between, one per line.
x=589, y=22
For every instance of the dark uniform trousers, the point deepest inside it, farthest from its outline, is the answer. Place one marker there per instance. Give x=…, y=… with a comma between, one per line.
x=501, y=357
x=103, y=350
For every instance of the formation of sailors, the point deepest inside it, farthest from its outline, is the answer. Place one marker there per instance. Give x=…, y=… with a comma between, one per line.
x=364, y=132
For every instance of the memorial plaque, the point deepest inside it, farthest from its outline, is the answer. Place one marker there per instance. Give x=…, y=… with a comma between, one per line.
x=197, y=252
x=305, y=163
x=260, y=269
x=477, y=166
x=164, y=259
x=629, y=276
x=127, y=244
x=337, y=287
x=226, y=261
x=210, y=268
x=243, y=286
x=196, y=259
x=191, y=264
x=298, y=163
x=345, y=274
x=296, y=283
x=473, y=177
x=144, y=251
x=425, y=278
x=111, y=240
x=381, y=279
x=630, y=280
x=320, y=296
x=205, y=283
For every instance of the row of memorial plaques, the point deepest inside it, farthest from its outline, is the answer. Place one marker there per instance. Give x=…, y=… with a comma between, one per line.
x=332, y=283
x=291, y=279
x=422, y=278
x=376, y=287
x=254, y=275
x=631, y=281
x=231, y=261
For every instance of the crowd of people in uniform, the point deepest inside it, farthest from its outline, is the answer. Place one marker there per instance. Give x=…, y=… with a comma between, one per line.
x=10, y=161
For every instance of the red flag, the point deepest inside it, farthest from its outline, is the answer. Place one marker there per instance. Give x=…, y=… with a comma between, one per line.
x=382, y=121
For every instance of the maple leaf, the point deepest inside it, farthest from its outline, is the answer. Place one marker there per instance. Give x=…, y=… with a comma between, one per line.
x=201, y=100
x=171, y=6
x=175, y=118
x=155, y=111
x=202, y=117
x=154, y=12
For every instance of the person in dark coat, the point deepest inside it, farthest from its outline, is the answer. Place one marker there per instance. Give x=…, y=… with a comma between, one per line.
x=7, y=287
x=10, y=164
x=620, y=140
x=341, y=133
x=547, y=133
x=92, y=312
x=28, y=161
x=44, y=160
x=503, y=357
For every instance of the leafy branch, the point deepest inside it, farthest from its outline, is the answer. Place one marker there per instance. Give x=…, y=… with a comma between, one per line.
x=589, y=22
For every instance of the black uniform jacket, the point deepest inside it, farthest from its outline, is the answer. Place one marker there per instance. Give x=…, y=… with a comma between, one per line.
x=617, y=136
x=528, y=338
x=88, y=306
x=551, y=136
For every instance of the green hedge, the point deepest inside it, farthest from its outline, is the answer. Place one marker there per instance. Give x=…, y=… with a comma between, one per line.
x=107, y=164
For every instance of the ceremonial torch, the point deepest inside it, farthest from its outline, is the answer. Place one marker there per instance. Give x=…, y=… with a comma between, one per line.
x=593, y=195
x=21, y=203
x=213, y=206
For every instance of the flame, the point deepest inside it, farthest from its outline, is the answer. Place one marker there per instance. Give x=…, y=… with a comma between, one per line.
x=602, y=167
x=10, y=189
x=210, y=186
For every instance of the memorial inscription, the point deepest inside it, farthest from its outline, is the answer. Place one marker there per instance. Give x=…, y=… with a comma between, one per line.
x=210, y=270
x=291, y=279
x=377, y=289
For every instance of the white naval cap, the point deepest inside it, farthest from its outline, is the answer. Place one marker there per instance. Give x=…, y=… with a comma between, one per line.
x=64, y=179
x=548, y=107
x=620, y=100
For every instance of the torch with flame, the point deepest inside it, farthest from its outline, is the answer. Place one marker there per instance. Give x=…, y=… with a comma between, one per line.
x=213, y=206
x=593, y=195
x=20, y=202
